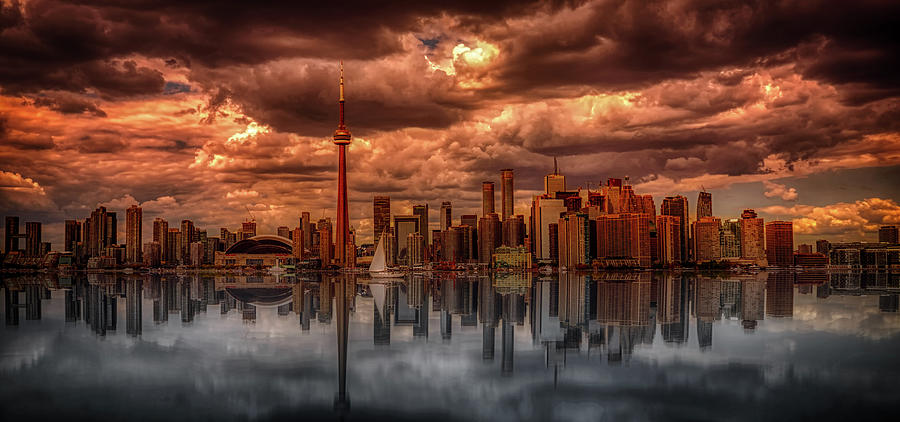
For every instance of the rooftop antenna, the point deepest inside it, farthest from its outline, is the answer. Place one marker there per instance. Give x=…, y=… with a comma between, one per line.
x=555, y=168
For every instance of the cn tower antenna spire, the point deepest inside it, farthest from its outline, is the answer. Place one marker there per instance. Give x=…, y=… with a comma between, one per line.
x=342, y=82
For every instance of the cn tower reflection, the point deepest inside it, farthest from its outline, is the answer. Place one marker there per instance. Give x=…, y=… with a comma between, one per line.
x=342, y=300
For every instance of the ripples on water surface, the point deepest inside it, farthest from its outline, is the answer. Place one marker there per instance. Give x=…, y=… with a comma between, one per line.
x=630, y=346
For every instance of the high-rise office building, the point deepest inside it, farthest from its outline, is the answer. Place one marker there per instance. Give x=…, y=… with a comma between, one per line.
x=160, y=231
x=134, y=217
x=704, y=205
x=753, y=240
x=152, y=255
x=306, y=226
x=544, y=211
x=554, y=182
x=381, y=214
x=102, y=227
x=403, y=226
x=888, y=234
x=32, y=238
x=624, y=236
x=72, y=235
x=248, y=229
x=325, y=247
x=297, y=243
x=730, y=238
x=11, y=236
x=487, y=198
x=470, y=243
x=677, y=206
x=489, y=236
x=574, y=240
x=514, y=231
x=780, y=243
x=507, y=194
x=187, y=237
x=446, y=215
x=823, y=247
x=173, y=247
x=707, y=246
x=668, y=239
x=284, y=231
x=422, y=212
x=415, y=248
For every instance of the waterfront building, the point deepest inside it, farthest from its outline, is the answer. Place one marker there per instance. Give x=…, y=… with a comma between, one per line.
x=780, y=243
x=133, y=234
x=677, y=206
x=753, y=238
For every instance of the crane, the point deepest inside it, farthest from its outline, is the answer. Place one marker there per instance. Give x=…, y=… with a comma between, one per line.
x=252, y=218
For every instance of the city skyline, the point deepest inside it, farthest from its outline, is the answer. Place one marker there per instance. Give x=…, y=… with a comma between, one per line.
x=442, y=104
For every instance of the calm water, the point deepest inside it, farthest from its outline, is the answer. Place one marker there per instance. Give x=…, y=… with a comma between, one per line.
x=631, y=346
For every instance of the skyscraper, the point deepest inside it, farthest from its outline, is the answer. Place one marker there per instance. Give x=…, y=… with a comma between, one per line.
x=487, y=198
x=102, y=231
x=489, y=236
x=446, y=215
x=780, y=243
x=888, y=234
x=342, y=140
x=704, y=205
x=248, y=229
x=574, y=237
x=381, y=214
x=11, y=237
x=544, y=211
x=187, y=237
x=306, y=226
x=284, y=231
x=73, y=235
x=133, y=231
x=753, y=243
x=403, y=226
x=32, y=238
x=160, y=230
x=677, y=206
x=707, y=246
x=507, y=194
x=624, y=236
x=668, y=236
x=554, y=182
x=422, y=212
x=730, y=238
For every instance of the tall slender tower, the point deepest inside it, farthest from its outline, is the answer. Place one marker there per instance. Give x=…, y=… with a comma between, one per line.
x=342, y=139
x=507, y=194
x=487, y=198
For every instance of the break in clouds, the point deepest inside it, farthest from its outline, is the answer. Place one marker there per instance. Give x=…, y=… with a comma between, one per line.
x=200, y=109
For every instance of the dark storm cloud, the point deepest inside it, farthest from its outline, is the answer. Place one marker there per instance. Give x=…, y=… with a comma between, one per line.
x=634, y=43
x=45, y=42
x=67, y=103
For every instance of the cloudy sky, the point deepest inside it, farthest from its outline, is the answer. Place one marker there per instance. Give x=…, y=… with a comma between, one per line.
x=200, y=109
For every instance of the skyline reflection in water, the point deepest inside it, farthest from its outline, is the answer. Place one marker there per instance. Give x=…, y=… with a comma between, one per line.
x=634, y=346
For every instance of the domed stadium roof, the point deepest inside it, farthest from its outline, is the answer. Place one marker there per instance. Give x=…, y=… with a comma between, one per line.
x=262, y=296
x=262, y=244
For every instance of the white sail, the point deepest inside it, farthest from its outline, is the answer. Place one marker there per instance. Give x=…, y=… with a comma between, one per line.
x=378, y=261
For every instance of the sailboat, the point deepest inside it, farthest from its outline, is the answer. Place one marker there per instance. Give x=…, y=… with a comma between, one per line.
x=378, y=269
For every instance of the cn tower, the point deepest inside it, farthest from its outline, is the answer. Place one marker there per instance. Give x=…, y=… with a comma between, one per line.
x=342, y=139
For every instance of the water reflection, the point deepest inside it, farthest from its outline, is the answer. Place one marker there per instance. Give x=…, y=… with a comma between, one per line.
x=556, y=334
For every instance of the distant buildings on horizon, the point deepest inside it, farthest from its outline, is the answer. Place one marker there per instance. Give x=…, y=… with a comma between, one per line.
x=611, y=226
